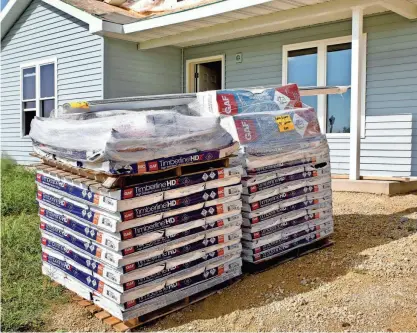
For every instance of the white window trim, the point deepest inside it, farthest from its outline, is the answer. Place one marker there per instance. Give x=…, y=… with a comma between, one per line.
x=36, y=64
x=321, y=46
x=189, y=65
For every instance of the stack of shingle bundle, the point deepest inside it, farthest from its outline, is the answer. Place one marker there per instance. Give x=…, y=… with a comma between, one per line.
x=287, y=199
x=140, y=247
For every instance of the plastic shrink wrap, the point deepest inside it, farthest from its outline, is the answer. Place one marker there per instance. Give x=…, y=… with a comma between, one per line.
x=128, y=137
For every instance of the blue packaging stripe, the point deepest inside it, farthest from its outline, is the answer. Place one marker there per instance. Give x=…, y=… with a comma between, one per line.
x=86, y=246
x=65, y=187
x=85, y=214
x=170, y=222
x=70, y=223
x=282, y=180
x=81, y=276
x=164, y=163
x=282, y=196
x=167, y=205
x=170, y=184
x=82, y=260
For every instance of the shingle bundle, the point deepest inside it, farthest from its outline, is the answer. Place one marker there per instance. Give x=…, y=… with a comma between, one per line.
x=135, y=249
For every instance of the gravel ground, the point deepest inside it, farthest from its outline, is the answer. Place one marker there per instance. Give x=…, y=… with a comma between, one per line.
x=365, y=282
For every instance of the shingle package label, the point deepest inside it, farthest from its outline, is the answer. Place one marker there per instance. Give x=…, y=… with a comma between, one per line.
x=179, y=182
x=85, y=278
x=79, y=227
x=77, y=241
x=175, y=161
x=169, y=238
x=76, y=191
x=190, y=200
x=83, y=260
x=274, y=182
x=286, y=195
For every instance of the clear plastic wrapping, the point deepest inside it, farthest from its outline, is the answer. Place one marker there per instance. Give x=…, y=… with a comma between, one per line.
x=128, y=137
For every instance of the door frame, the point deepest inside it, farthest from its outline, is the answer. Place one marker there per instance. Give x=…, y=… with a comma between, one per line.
x=190, y=65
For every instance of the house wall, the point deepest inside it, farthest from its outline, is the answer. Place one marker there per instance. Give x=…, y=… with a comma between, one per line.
x=389, y=147
x=132, y=72
x=43, y=32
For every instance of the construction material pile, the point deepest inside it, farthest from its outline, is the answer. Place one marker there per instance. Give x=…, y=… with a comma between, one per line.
x=287, y=199
x=169, y=230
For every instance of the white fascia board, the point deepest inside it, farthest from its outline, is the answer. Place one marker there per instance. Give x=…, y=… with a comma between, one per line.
x=11, y=13
x=95, y=24
x=401, y=7
x=281, y=20
x=191, y=14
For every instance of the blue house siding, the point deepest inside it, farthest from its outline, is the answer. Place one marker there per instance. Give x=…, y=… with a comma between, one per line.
x=130, y=72
x=389, y=147
x=43, y=32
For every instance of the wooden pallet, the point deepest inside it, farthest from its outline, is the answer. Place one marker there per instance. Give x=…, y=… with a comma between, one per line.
x=123, y=326
x=255, y=268
x=99, y=179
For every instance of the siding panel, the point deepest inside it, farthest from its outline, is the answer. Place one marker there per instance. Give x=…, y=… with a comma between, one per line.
x=42, y=32
x=131, y=72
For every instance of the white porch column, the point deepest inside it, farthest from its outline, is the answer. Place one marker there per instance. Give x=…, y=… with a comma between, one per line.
x=356, y=91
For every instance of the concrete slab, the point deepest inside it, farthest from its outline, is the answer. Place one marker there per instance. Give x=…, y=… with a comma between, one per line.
x=374, y=186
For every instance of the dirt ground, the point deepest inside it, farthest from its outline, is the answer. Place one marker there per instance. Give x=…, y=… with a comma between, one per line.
x=365, y=282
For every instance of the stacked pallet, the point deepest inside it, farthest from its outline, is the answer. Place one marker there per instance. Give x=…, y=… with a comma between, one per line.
x=287, y=200
x=151, y=239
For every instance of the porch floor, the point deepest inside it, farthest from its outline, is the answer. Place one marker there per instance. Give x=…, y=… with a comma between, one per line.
x=386, y=187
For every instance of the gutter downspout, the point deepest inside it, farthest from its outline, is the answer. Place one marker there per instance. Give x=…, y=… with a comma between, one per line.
x=182, y=70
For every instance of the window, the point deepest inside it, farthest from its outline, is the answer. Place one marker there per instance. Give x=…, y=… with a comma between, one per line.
x=321, y=63
x=38, y=91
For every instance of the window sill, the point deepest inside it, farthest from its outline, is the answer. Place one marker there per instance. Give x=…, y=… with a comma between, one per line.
x=338, y=135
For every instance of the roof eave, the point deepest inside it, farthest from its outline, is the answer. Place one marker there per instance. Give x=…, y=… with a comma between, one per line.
x=11, y=13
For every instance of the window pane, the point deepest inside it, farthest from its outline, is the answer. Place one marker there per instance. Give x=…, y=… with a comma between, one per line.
x=27, y=118
x=339, y=74
x=47, y=106
x=29, y=83
x=29, y=105
x=48, y=80
x=302, y=69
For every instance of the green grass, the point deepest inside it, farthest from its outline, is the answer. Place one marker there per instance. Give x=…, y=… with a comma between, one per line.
x=26, y=295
